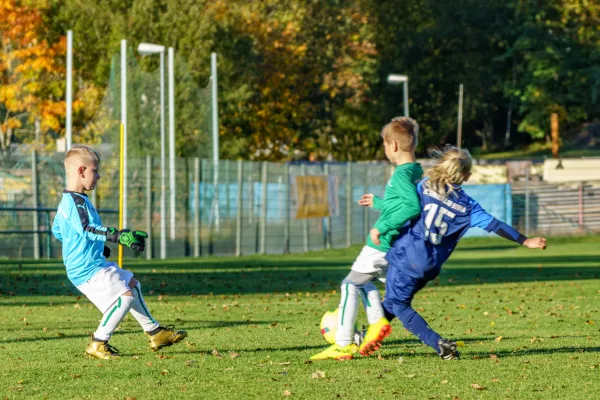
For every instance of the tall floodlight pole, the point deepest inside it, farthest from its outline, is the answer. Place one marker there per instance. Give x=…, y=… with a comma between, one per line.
x=394, y=79
x=69, y=99
x=215, y=134
x=147, y=49
x=172, y=137
x=460, y=115
x=124, y=123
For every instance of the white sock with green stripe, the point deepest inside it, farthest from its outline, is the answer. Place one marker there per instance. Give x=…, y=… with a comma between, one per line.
x=347, y=314
x=111, y=318
x=140, y=311
x=372, y=301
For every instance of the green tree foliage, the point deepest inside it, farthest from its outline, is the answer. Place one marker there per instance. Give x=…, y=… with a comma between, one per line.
x=558, y=55
x=309, y=78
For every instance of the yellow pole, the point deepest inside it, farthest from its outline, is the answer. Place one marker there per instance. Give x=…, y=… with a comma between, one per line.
x=121, y=172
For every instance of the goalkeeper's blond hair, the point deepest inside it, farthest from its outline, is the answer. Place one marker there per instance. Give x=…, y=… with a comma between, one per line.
x=453, y=167
x=83, y=152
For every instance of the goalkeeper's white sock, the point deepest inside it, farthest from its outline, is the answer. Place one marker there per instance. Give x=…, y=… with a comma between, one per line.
x=140, y=312
x=372, y=302
x=112, y=317
x=347, y=313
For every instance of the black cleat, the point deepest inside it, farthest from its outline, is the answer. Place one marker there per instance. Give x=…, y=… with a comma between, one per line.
x=448, y=350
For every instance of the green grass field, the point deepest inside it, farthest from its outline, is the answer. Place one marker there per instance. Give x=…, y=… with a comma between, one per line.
x=529, y=321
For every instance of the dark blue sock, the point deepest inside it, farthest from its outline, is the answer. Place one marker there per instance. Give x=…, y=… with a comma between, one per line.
x=415, y=324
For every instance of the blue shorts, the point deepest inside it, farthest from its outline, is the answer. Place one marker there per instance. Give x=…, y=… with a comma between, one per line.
x=402, y=287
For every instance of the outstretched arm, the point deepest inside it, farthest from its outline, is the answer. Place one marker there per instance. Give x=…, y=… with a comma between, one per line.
x=484, y=220
x=507, y=232
x=81, y=221
x=370, y=200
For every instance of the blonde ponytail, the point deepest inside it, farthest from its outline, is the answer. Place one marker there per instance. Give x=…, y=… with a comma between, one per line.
x=452, y=168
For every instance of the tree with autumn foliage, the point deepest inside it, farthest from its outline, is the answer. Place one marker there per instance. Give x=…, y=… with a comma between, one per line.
x=32, y=76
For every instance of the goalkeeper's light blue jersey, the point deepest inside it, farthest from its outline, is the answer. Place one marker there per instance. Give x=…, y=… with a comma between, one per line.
x=77, y=225
x=424, y=245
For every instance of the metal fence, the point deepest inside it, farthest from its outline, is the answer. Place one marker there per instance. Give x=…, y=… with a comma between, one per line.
x=243, y=207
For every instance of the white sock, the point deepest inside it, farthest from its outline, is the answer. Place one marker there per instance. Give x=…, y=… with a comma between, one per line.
x=111, y=318
x=347, y=314
x=140, y=312
x=372, y=302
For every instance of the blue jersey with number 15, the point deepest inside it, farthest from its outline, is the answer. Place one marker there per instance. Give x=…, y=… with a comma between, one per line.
x=424, y=245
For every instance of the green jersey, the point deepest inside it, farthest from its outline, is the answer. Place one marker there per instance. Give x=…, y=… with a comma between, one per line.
x=400, y=204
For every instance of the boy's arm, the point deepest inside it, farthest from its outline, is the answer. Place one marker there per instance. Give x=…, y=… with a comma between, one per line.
x=56, y=229
x=81, y=220
x=405, y=188
x=482, y=219
x=370, y=200
x=377, y=203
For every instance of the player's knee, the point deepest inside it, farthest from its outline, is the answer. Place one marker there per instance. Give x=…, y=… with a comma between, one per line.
x=128, y=293
x=357, y=279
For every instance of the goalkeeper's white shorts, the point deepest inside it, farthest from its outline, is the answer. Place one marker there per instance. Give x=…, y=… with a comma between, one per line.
x=106, y=286
x=372, y=262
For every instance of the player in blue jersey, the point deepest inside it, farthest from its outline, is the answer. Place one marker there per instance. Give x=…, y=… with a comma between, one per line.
x=426, y=243
x=113, y=290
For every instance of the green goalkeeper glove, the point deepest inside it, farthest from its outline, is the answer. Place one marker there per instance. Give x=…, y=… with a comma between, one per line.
x=134, y=240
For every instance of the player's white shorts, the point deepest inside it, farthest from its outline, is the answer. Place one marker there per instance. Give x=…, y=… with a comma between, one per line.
x=106, y=286
x=371, y=261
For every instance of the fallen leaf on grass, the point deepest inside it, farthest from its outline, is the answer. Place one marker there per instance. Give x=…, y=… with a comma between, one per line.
x=460, y=343
x=477, y=386
x=189, y=363
x=135, y=357
x=493, y=356
x=400, y=360
x=318, y=375
x=495, y=380
x=233, y=354
x=498, y=339
x=75, y=376
x=444, y=381
x=380, y=357
x=526, y=361
x=149, y=363
x=287, y=393
x=164, y=372
x=410, y=375
x=191, y=346
x=215, y=353
x=290, y=363
x=590, y=322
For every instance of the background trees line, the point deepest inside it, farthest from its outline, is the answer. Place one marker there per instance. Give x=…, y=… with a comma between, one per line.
x=309, y=76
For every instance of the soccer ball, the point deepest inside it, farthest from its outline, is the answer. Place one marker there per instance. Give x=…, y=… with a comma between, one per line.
x=329, y=323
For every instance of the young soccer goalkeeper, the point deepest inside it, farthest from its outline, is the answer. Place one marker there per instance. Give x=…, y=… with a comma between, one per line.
x=113, y=290
x=399, y=205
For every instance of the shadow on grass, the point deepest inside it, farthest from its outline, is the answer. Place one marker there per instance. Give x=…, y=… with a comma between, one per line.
x=289, y=274
x=185, y=325
x=500, y=354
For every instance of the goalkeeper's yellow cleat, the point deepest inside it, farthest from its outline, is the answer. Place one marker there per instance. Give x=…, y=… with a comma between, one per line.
x=374, y=336
x=337, y=352
x=101, y=350
x=165, y=337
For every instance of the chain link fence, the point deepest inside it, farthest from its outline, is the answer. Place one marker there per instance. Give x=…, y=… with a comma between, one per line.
x=244, y=207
